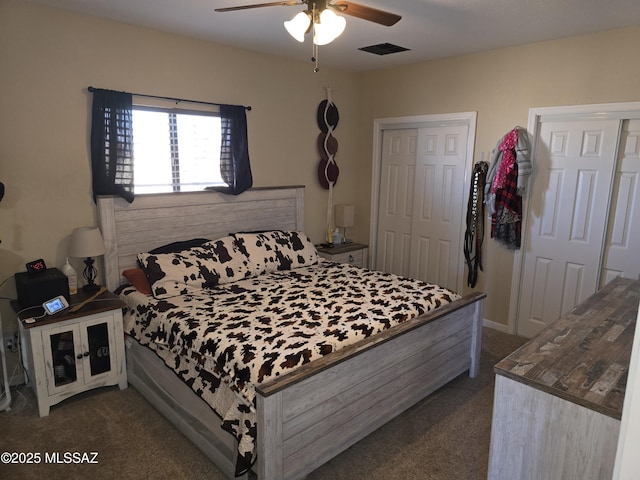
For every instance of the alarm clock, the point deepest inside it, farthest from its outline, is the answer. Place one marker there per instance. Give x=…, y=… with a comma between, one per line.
x=35, y=267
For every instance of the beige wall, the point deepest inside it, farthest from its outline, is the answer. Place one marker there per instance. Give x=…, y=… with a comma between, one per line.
x=501, y=86
x=49, y=57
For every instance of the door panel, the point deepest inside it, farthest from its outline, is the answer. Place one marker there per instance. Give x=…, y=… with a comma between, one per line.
x=439, y=193
x=568, y=209
x=395, y=210
x=623, y=237
x=61, y=345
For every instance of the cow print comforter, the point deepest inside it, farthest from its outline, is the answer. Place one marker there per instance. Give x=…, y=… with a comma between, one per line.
x=224, y=340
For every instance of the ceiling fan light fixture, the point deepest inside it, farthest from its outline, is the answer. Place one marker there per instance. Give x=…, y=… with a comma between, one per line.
x=329, y=27
x=298, y=25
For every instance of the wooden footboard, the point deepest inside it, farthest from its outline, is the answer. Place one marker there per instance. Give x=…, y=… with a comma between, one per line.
x=308, y=417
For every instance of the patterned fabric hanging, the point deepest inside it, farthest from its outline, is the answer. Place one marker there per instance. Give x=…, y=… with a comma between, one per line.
x=506, y=183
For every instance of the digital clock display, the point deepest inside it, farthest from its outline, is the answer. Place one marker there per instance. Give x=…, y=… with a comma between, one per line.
x=36, y=266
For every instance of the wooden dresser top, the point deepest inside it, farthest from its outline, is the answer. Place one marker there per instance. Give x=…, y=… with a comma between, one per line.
x=583, y=356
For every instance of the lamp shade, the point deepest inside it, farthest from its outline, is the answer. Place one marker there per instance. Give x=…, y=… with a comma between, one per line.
x=298, y=26
x=328, y=28
x=345, y=215
x=86, y=242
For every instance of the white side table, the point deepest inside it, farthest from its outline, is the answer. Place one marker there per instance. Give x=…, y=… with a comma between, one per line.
x=69, y=353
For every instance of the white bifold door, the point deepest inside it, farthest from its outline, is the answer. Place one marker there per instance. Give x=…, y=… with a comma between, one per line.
x=622, y=245
x=583, y=217
x=421, y=203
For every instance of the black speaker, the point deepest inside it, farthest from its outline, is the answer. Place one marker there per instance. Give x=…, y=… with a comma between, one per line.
x=35, y=289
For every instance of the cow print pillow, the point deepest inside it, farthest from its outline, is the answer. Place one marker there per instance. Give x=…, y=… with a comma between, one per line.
x=180, y=273
x=276, y=250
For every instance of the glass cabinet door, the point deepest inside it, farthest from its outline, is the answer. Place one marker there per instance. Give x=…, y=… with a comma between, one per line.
x=97, y=341
x=99, y=354
x=61, y=350
x=64, y=365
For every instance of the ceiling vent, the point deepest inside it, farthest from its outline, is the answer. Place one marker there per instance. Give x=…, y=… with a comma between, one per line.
x=383, y=49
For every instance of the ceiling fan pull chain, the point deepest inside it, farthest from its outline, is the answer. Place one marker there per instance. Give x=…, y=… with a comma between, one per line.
x=314, y=50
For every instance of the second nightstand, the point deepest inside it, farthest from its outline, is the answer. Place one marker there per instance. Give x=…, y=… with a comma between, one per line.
x=69, y=353
x=354, y=253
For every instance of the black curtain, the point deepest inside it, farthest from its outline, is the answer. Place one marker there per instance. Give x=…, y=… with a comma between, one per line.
x=234, y=150
x=112, y=144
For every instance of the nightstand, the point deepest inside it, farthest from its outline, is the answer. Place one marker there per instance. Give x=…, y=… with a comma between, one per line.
x=69, y=353
x=354, y=253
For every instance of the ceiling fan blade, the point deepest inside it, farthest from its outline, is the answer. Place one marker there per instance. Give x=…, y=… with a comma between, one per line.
x=259, y=5
x=366, y=13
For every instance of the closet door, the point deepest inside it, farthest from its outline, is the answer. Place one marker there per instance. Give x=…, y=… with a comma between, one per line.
x=421, y=203
x=395, y=209
x=621, y=256
x=567, y=219
x=436, y=228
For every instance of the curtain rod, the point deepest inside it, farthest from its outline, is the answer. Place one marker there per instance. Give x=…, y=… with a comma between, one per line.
x=92, y=89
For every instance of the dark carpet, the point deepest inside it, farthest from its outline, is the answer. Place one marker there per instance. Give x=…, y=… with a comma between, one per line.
x=446, y=436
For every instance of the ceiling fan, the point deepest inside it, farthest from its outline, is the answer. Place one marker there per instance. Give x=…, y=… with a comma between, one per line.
x=348, y=8
x=320, y=18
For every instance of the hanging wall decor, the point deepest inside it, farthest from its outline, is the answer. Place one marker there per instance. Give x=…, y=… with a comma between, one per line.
x=328, y=118
x=328, y=170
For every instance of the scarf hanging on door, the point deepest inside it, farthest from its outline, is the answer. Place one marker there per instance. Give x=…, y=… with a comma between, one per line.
x=474, y=234
x=506, y=182
x=507, y=220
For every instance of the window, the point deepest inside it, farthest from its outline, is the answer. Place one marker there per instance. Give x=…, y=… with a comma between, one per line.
x=175, y=150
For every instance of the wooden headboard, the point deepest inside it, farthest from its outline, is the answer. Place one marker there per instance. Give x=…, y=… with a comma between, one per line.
x=155, y=220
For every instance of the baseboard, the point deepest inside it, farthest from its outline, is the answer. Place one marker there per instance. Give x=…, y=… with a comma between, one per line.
x=501, y=327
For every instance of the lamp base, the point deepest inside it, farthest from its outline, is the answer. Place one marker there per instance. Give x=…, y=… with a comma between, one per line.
x=91, y=288
x=90, y=273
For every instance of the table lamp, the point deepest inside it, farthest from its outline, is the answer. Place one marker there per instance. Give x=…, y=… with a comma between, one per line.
x=345, y=217
x=86, y=242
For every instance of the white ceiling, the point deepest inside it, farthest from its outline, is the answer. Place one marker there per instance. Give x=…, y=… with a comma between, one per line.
x=429, y=28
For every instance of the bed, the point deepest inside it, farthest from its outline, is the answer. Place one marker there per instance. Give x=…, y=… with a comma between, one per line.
x=306, y=415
